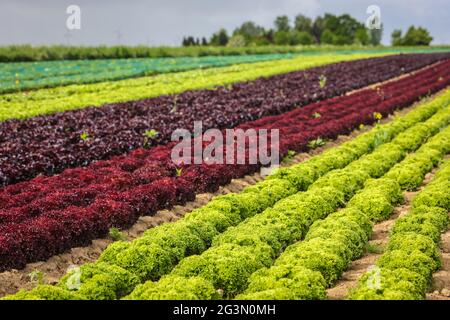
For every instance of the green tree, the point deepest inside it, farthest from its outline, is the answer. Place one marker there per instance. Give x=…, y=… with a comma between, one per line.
x=282, y=24
x=417, y=37
x=396, y=37
x=301, y=37
x=188, y=41
x=282, y=37
x=250, y=31
x=236, y=41
x=361, y=36
x=303, y=23
x=375, y=36
x=327, y=37
x=317, y=28
x=344, y=27
x=220, y=38
x=269, y=36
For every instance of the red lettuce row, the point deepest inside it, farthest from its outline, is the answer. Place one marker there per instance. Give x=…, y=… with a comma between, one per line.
x=51, y=143
x=47, y=215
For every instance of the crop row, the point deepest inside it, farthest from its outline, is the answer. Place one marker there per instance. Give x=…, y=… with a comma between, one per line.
x=305, y=269
x=52, y=214
x=44, y=101
x=49, y=144
x=256, y=243
x=297, y=128
x=160, y=249
x=34, y=75
x=405, y=270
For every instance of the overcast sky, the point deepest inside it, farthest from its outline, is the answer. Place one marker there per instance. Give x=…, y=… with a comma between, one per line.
x=165, y=22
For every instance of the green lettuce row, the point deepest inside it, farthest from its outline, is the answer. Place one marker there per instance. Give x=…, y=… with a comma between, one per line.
x=170, y=242
x=307, y=268
x=405, y=269
x=437, y=193
x=256, y=242
x=45, y=292
x=21, y=105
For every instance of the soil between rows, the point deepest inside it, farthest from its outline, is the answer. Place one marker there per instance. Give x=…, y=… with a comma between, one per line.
x=379, y=239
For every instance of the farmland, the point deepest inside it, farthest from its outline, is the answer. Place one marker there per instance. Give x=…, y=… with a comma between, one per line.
x=90, y=193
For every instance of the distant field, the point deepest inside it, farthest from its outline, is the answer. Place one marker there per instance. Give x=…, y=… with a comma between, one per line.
x=19, y=76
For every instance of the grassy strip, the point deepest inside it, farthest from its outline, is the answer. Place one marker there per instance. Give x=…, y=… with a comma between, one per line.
x=45, y=101
x=405, y=270
x=123, y=264
x=45, y=53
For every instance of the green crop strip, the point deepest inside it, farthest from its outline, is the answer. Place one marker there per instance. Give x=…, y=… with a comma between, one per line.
x=45, y=101
x=405, y=269
x=22, y=76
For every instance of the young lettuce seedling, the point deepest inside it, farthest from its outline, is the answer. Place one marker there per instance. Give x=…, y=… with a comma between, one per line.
x=37, y=276
x=116, y=234
x=289, y=156
x=84, y=136
x=149, y=135
x=322, y=81
x=313, y=144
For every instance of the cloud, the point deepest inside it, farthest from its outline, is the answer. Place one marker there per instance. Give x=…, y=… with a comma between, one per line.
x=159, y=22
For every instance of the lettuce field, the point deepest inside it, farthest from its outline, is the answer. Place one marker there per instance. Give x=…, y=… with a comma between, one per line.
x=94, y=207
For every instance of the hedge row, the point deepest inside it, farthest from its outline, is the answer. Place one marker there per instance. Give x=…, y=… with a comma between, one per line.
x=307, y=268
x=405, y=269
x=58, y=52
x=161, y=248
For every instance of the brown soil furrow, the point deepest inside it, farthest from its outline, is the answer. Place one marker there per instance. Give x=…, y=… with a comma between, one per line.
x=377, y=243
x=440, y=288
x=372, y=86
x=14, y=280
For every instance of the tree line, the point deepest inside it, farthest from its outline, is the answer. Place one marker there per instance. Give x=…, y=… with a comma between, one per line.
x=327, y=29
